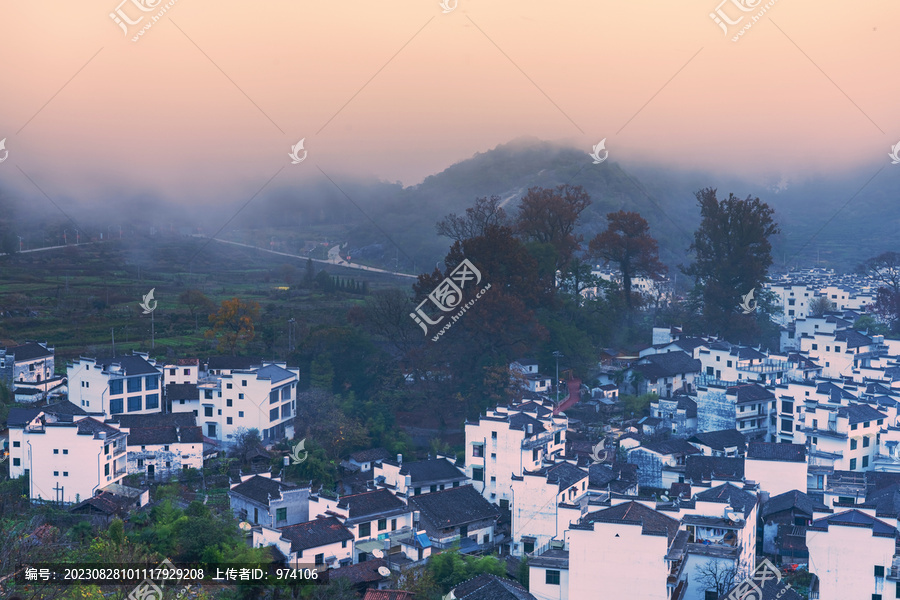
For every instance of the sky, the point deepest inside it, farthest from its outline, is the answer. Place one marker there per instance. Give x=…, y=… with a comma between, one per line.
x=208, y=102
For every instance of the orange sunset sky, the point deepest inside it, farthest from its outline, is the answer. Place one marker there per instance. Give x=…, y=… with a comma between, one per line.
x=210, y=99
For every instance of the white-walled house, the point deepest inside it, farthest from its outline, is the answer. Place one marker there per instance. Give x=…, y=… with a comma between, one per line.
x=621, y=552
x=408, y=479
x=32, y=362
x=261, y=398
x=851, y=553
x=266, y=500
x=508, y=440
x=545, y=503
x=66, y=458
x=323, y=542
x=181, y=371
x=109, y=386
x=457, y=515
x=163, y=452
x=777, y=468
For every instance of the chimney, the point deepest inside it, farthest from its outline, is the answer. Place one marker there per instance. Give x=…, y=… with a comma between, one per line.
x=399, y=459
x=530, y=428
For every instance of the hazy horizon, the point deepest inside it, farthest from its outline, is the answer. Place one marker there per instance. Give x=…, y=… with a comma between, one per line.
x=207, y=104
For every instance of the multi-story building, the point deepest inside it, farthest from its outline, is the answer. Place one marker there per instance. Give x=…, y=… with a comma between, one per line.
x=109, y=386
x=66, y=458
x=843, y=437
x=261, y=398
x=181, y=371
x=161, y=445
x=545, y=503
x=408, y=479
x=266, y=500
x=506, y=441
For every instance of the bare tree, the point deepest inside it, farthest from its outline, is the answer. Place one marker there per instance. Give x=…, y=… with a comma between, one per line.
x=716, y=575
x=820, y=305
x=386, y=313
x=485, y=213
x=884, y=268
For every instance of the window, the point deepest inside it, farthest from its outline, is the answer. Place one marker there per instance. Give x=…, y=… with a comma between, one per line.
x=207, y=410
x=168, y=464
x=228, y=402
x=56, y=451
x=787, y=407
x=709, y=371
x=853, y=444
x=552, y=577
x=478, y=450
x=535, y=454
x=493, y=435
x=815, y=346
x=557, y=437
x=115, y=387
x=152, y=382
x=229, y=386
x=865, y=442
x=434, y=487
x=134, y=403
x=16, y=462
x=106, y=469
x=528, y=547
x=207, y=394
x=343, y=543
x=865, y=462
x=152, y=401
x=417, y=491
x=711, y=595
x=134, y=384
x=273, y=414
x=729, y=364
x=16, y=444
x=106, y=449
x=56, y=473
x=273, y=396
x=285, y=410
x=173, y=371
x=240, y=397
x=320, y=559
x=240, y=414
x=477, y=474
x=382, y=524
x=365, y=530
x=281, y=514
x=393, y=524
x=286, y=392
x=852, y=464
x=854, y=426
x=220, y=412
x=186, y=372
x=228, y=420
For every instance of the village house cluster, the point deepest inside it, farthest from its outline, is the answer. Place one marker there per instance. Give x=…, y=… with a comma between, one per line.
x=789, y=455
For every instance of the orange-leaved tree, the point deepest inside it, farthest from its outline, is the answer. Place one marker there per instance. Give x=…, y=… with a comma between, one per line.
x=232, y=324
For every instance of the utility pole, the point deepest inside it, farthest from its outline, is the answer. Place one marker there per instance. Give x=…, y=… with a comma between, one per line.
x=558, y=355
x=112, y=331
x=152, y=331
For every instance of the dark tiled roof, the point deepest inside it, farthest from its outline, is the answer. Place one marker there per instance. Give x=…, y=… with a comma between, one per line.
x=181, y=419
x=775, y=451
x=674, y=363
x=667, y=447
x=274, y=373
x=259, y=489
x=182, y=391
x=147, y=436
x=21, y=416
x=855, y=518
x=853, y=338
x=364, y=572
x=454, y=507
x=491, y=587
x=436, y=469
x=793, y=499
x=372, y=454
x=28, y=351
x=232, y=363
x=617, y=477
x=315, y=533
x=860, y=413
x=131, y=364
x=726, y=493
x=651, y=521
x=91, y=426
x=721, y=439
x=104, y=502
x=521, y=421
x=704, y=468
x=64, y=407
x=563, y=473
x=750, y=392
x=370, y=503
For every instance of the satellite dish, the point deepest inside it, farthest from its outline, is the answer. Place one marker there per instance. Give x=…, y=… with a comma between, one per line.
x=664, y=498
x=377, y=553
x=245, y=526
x=384, y=571
x=733, y=516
